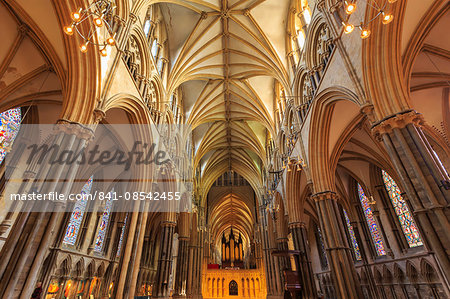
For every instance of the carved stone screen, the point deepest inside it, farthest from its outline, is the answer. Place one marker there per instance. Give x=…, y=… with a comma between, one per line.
x=233, y=288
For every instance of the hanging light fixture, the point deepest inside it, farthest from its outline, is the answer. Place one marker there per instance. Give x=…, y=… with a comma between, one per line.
x=386, y=18
x=349, y=7
x=94, y=19
x=348, y=28
x=365, y=33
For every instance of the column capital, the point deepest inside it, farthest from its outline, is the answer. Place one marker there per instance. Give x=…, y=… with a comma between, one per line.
x=74, y=128
x=324, y=195
x=298, y=224
x=397, y=121
x=168, y=224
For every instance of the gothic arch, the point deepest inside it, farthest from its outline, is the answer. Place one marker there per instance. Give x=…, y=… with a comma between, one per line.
x=411, y=272
x=428, y=272
x=312, y=43
x=322, y=112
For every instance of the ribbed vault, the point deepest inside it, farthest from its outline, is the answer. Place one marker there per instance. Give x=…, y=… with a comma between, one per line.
x=226, y=56
x=231, y=211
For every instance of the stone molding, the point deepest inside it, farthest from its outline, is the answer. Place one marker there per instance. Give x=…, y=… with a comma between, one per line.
x=397, y=121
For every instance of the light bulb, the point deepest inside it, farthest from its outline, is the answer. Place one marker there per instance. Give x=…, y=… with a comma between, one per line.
x=68, y=30
x=392, y=1
x=76, y=16
x=298, y=167
x=387, y=18
x=110, y=41
x=350, y=8
x=365, y=33
x=83, y=48
x=104, y=52
x=98, y=22
x=348, y=28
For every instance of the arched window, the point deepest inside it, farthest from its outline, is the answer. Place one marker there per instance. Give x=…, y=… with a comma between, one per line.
x=119, y=247
x=103, y=225
x=9, y=127
x=77, y=215
x=321, y=248
x=351, y=232
x=147, y=25
x=373, y=227
x=302, y=20
x=233, y=288
x=155, y=48
x=409, y=227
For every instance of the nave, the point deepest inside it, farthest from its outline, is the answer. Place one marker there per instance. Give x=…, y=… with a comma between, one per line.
x=224, y=149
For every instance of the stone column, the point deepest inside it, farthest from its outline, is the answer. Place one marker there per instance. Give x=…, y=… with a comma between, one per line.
x=183, y=254
x=273, y=277
x=423, y=177
x=161, y=289
x=300, y=239
x=339, y=255
x=139, y=241
x=126, y=249
x=36, y=231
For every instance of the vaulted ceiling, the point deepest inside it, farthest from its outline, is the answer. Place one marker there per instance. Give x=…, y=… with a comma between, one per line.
x=226, y=56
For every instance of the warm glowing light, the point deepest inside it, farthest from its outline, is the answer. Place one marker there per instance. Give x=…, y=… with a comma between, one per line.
x=98, y=22
x=68, y=30
x=104, y=52
x=76, y=16
x=392, y=1
x=387, y=18
x=365, y=33
x=348, y=28
x=350, y=8
x=83, y=48
x=111, y=41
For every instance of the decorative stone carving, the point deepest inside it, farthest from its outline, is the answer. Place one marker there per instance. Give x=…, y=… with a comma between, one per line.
x=397, y=121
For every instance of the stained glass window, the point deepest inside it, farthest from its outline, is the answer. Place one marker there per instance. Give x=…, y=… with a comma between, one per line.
x=103, y=226
x=407, y=223
x=352, y=237
x=321, y=248
x=77, y=215
x=121, y=235
x=9, y=127
x=373, y=227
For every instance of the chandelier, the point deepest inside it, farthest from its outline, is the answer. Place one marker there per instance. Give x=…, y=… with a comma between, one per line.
x=269, y=202
x=299, y=164
x=96, y=18
x=386, y=18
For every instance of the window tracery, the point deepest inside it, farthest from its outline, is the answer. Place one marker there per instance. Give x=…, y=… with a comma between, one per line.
x=76, y=218
x=122, y=233
x=103, y=225
x=373, y=227
x=405, y=218
x=351, y=232
x=9, y=128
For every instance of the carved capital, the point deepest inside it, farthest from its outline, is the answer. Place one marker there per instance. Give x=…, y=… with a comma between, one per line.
x=368, y=111
x=397, y=121
x=77, y=129
x=325, y=195
x=293, y=225
x=133, y=18
x=99, y=115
